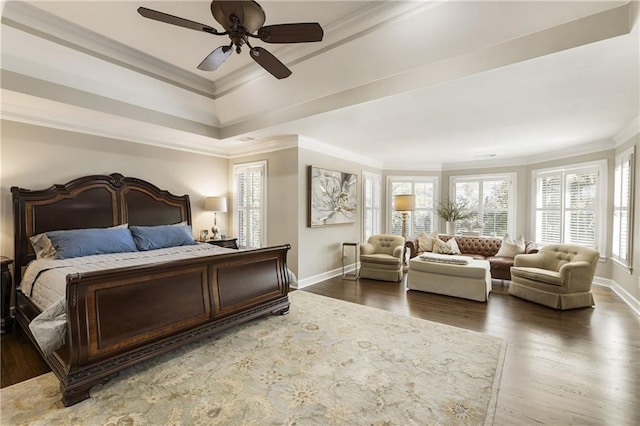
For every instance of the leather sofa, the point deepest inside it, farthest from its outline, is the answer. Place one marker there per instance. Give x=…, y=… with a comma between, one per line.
x=481, y=248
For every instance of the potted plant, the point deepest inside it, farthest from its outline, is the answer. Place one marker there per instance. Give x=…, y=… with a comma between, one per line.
x=453, y=211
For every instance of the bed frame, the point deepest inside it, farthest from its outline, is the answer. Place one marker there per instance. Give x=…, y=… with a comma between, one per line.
x=120, y=317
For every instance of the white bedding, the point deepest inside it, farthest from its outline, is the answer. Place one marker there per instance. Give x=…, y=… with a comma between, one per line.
x=44, y=281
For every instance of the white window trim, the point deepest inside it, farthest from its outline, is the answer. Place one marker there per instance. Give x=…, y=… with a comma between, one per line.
x=629, y=155
x=513, y=194
x=371, y=176
x=263, y=224
x=389, y=195
x=601, y=199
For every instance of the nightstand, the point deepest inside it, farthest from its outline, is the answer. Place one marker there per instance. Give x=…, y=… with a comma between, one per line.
x=225, y=242
x=5, y=296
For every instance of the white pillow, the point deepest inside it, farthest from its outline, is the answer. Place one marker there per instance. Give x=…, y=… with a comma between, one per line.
x=450, y=247
x=42, y=246
x=510, y=248
x=425, y=242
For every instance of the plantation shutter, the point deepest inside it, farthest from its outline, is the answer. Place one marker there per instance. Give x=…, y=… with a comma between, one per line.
x=622, y=208
x=371, y=220
x=399, y=188
x=549, y=209
x=570, y=206
x=423, y=216
x=580, y=213
x=249, y=217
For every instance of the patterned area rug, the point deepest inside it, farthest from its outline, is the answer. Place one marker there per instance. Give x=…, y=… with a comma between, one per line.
x=328, y=362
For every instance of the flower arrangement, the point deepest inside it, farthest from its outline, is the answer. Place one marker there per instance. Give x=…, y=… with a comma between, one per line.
x=453, y=211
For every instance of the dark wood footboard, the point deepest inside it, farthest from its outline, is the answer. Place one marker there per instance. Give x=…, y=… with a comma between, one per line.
x=118, y=318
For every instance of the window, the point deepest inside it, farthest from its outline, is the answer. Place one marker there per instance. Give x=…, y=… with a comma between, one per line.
x=250, y=203
x=491, y=199
x=623, y=208
x=371, y=185
x=422, y=218
x=570, y=205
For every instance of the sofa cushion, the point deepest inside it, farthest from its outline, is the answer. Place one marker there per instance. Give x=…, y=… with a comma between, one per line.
x=500, y=262
x=450, y=247
x=381, y=259
x=511, y=248
x=537, y=274
x=425, y=242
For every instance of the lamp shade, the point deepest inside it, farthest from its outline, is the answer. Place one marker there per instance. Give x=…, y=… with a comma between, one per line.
x=216, y=204
x=404, y=203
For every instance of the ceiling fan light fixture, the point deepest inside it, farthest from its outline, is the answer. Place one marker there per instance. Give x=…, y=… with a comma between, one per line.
x=249, y=13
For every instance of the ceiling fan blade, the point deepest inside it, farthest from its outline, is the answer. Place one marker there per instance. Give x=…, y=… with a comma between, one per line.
x=270, y=63
x=174, y=20
x=291, y=33
x=215, y=58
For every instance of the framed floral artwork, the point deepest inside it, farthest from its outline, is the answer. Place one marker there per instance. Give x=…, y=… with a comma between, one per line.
x=333, y=197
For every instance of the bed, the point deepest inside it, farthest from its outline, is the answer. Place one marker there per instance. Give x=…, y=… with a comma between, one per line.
x=117, y=317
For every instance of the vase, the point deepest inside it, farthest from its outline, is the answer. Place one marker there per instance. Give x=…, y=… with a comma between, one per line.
x=451, y=228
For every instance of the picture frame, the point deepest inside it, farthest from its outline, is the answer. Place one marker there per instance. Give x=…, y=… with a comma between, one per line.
x=332, y=196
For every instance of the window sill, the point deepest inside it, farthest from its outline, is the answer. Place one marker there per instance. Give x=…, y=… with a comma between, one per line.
x=622, y=265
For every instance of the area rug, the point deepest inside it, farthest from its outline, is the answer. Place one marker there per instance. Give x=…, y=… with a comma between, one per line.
x=328, y=362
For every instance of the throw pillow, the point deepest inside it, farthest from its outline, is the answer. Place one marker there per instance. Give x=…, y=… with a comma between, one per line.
x=510, y=248
x=450, y=247
x=425, y=242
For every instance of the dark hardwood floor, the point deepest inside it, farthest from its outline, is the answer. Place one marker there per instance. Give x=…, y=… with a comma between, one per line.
x=578, y=367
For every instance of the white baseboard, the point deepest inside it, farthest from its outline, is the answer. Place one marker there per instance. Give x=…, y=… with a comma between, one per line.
x=324, y=276
x=633, y=303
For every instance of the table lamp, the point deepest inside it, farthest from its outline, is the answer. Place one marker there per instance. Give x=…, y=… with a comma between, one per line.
x=215, y=204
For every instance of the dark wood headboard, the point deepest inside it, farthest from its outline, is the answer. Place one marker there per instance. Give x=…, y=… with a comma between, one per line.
x=96, y=201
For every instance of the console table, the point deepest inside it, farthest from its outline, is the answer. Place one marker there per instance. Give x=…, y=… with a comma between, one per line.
x=356, y=249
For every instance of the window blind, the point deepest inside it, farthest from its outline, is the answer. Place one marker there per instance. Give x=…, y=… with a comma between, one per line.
x=622, y=208
x=371, y=212
x=569, y=205
x=250, y=185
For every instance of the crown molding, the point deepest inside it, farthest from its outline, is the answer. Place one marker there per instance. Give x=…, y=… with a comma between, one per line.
x=40, y=23
x=276, y=143
x=627, y=132
x=333, y=151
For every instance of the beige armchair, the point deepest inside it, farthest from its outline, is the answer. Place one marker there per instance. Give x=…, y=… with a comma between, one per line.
x=558, y=276
x=381, y=258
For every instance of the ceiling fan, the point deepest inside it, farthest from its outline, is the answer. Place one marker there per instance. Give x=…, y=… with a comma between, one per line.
x=241, y=20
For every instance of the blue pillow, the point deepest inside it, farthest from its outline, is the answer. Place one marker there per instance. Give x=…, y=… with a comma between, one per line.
x=86, y=242
x=163, y=236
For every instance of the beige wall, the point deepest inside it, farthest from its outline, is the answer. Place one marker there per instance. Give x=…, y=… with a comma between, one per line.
x=36, y=157
x=282, y=198
x=322, y=246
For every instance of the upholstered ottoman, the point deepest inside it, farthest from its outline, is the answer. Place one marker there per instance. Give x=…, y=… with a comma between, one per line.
x=468, y=281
